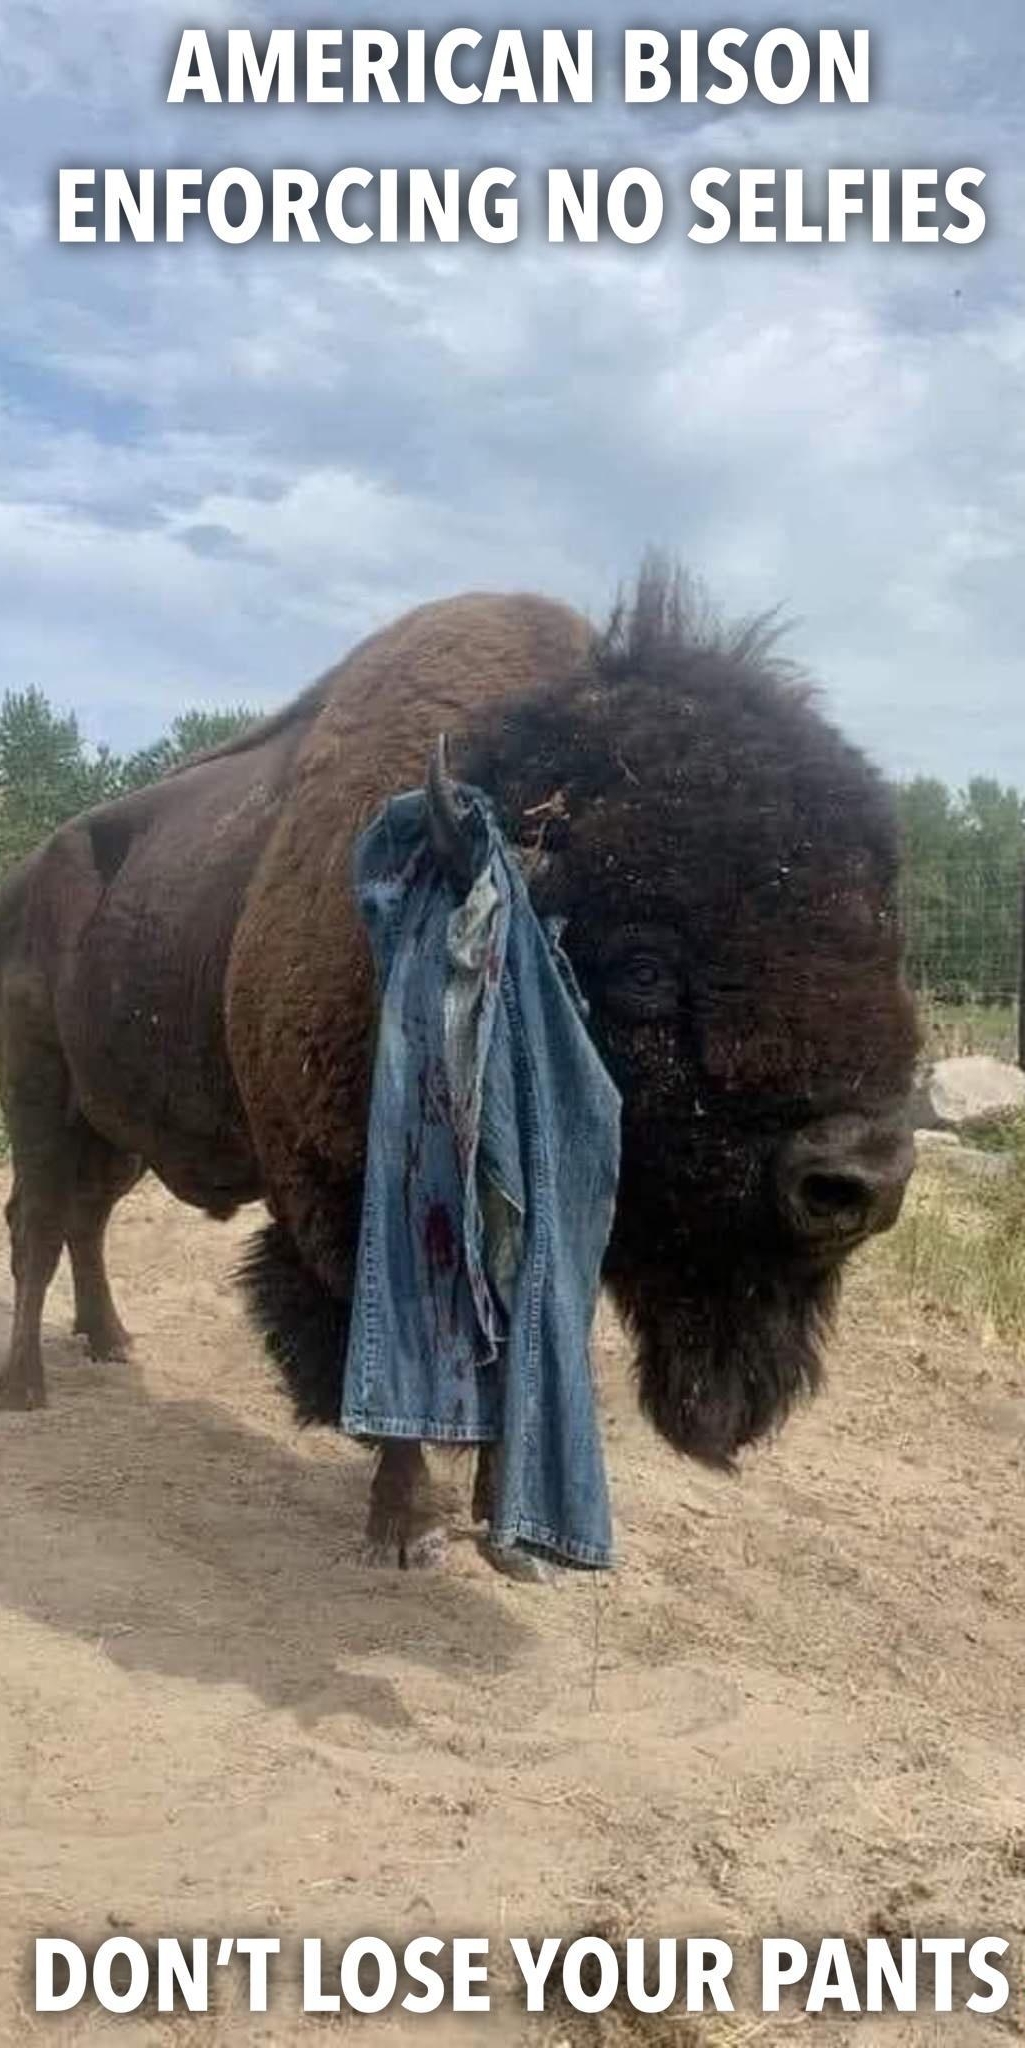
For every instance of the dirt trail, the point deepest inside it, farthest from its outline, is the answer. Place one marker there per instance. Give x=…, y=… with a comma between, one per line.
x=798, y=1707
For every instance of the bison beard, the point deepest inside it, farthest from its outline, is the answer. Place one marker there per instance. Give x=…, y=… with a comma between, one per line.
x=721, y=1359
x=303, y=1325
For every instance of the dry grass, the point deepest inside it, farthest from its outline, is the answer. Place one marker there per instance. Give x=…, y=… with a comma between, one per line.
x=960, y=1244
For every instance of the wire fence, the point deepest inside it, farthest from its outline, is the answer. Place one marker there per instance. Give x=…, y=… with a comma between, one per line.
x=963, y=925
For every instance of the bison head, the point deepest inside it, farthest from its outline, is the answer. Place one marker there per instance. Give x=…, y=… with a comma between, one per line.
x=725, y=864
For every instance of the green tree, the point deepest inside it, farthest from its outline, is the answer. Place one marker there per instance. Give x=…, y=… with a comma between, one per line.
x=192, y=732
x=993, y=820
x=928, y=820
x=993, y=827
x=47, y=774
x=964, y=852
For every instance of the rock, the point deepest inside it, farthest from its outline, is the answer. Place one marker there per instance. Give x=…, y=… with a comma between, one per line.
x=945, y=1151
x=967, y=1162
x=974, y=1090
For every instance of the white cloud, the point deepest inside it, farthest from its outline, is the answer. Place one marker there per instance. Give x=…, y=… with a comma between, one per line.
x=221, y=466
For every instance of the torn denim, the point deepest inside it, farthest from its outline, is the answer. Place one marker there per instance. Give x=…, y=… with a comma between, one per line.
x=490, y=1186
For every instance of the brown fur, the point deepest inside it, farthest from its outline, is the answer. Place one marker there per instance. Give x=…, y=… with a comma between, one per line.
x=301, y=1038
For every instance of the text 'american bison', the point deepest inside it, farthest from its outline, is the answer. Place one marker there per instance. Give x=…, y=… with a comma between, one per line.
x=186, y=986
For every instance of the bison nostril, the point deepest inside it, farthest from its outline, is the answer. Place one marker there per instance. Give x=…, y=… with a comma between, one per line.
x=834, y=1195
x=841, y=1180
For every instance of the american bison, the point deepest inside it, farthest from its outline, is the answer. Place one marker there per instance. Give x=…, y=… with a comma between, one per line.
x=185, y=986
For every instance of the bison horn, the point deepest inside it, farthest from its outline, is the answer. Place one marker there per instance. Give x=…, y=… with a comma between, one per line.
x=444, y=821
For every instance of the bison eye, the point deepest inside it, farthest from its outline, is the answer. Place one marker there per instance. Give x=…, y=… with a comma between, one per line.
x=641, y=984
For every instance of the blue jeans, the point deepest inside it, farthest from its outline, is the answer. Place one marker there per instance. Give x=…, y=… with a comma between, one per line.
x=492, y=1164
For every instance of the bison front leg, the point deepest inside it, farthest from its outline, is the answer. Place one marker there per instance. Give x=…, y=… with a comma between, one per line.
x=404, y=1526
x=483, y=1505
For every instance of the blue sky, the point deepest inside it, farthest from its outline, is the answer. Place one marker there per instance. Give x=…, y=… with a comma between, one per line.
x=220, y=467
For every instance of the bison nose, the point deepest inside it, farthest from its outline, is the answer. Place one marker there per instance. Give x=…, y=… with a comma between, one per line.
x=843, y=1179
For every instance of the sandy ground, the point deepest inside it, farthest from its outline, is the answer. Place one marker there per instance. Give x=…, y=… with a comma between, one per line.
x=797, y=1708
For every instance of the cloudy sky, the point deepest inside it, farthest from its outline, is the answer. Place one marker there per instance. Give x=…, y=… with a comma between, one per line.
x=219, y=467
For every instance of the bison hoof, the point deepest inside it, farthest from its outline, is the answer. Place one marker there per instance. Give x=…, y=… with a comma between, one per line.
x=521, y=1565
x=426, y=1552
x=17, y=1398
x=106, y=1347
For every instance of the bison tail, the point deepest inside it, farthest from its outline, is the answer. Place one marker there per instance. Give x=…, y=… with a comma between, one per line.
x=303, y=1325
